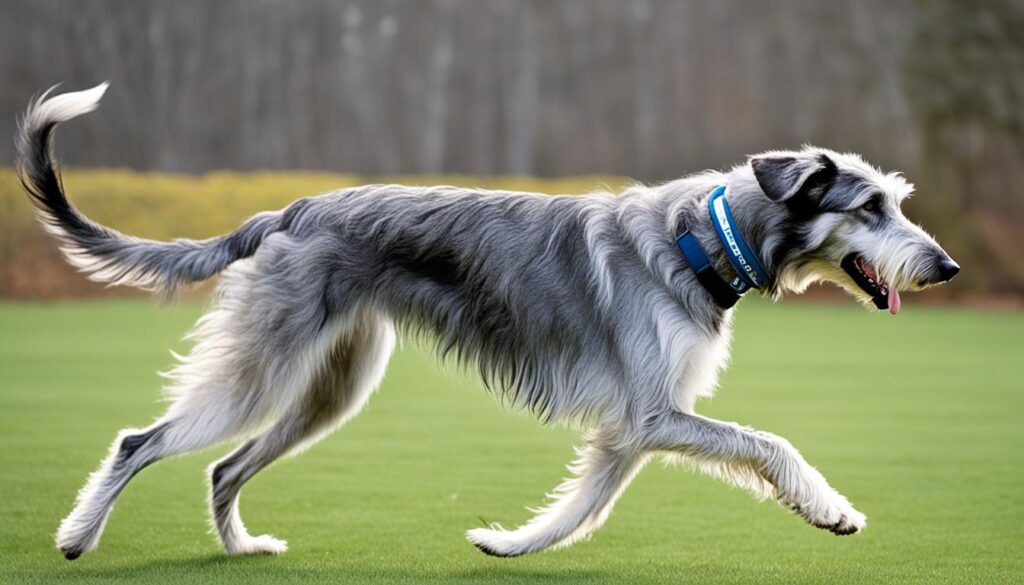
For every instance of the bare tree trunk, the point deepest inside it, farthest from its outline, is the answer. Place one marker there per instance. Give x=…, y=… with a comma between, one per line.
x=522, y=101
x=435, y=125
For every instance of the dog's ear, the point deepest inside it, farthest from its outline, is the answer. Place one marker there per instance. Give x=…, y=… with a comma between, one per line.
x=800, y=180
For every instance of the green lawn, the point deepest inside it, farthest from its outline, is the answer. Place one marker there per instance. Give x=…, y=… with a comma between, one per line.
x=917, y=419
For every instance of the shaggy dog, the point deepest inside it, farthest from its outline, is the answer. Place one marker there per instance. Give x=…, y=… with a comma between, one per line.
x=608, y=312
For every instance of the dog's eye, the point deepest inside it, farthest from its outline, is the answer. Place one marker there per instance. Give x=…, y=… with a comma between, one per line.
x=871, y=206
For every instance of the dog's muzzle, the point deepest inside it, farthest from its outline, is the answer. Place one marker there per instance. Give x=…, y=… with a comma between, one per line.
x=887, y=297
x=870, y=281
x=944, y=270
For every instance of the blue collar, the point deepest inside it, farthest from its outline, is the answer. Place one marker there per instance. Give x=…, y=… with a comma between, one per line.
x=751, y=274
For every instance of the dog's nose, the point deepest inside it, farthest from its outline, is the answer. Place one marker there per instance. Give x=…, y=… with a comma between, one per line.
x=947, y=269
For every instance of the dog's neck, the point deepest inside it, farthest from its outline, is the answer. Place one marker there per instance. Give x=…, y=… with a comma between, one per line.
x=730, y=225
x=746, y=203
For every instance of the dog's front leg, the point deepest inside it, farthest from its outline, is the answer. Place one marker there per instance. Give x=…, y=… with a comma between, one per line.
x=762, y=462
x=579, y=505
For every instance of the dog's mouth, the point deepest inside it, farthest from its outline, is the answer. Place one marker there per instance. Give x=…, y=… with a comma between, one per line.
x=867, y=278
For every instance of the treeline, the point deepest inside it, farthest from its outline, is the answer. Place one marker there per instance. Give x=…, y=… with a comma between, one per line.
x=646, y=88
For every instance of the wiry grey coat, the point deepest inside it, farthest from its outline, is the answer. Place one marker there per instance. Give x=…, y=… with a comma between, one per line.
x=579, y=308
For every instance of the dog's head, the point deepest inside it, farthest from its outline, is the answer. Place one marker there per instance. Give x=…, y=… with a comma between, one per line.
x=841, y=222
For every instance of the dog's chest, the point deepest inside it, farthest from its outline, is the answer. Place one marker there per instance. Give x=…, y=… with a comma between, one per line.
x=703, y=359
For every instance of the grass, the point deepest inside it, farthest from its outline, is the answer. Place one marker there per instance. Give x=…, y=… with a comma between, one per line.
x=916, y=418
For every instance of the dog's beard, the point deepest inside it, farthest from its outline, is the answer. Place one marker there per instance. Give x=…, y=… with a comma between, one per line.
x=799, y=275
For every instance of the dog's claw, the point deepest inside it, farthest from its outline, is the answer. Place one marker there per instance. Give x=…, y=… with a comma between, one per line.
x=844, y=527
x=849, y=522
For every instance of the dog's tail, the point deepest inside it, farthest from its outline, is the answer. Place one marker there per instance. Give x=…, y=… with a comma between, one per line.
x=106, y=254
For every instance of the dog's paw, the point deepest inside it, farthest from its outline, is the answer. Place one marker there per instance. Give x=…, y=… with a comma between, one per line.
x=256, y=545
x=75, y=537
x=71, y=550
x=851, y=522
x=494, y=542
x=834, y=514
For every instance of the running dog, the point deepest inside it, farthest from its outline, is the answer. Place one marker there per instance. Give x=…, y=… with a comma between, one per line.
x=611, y=313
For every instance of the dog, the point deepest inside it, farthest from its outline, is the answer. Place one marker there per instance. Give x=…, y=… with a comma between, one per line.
x=610, y=313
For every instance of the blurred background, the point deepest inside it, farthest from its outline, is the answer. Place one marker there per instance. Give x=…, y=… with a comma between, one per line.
x=219, y=109
x=487, y=89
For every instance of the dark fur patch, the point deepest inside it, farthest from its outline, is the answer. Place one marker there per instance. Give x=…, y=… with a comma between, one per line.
x=805, y=204
x=132, y=443
x=793, y=239
x=773, y=174
x=294, y=212
x=435, y=264
x=217, y=476
x=40, y=177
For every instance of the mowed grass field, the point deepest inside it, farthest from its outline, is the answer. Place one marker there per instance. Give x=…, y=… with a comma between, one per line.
x=918, y=419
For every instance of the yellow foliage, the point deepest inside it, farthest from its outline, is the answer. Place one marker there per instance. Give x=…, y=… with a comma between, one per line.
x=165, y=206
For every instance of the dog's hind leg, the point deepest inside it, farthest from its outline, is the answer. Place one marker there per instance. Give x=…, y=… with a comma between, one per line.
x=244, y=371
x=180, y=431
x=354, y=367
x=761, y=462
x=580, y=505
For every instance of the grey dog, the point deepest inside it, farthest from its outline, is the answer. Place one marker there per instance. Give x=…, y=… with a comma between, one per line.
x=579, y=308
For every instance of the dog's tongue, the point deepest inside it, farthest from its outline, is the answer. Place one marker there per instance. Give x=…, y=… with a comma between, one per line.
x=894, y=300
